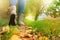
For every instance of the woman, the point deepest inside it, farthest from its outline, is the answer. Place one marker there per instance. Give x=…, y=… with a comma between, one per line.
x=12, y=9
x=21, y=7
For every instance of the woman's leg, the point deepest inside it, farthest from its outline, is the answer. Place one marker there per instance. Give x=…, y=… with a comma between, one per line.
x=20, y=19
x=12, y=16
x=21, y=7
x=12, y=9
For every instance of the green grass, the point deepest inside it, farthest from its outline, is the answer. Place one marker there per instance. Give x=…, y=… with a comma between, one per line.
x=3, y=22
x=45, y=26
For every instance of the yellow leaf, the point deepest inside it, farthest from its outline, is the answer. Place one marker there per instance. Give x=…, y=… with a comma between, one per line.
x=16, y=31
x=15, y=37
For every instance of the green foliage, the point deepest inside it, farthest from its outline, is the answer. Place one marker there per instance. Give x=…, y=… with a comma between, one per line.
x=3, y=22
x=7, y=35
x=34, y=7
x=54, y=8
x=45, y=26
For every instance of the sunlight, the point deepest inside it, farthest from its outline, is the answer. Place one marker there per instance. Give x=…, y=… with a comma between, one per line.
x=57, y=0
x=1, y=2
x=42, y=16
x=48, y=1
x=30, y=17
x=4, y=4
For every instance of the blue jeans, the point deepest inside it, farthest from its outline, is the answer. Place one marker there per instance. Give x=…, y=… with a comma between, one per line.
x=13, y=2
x=21, y=6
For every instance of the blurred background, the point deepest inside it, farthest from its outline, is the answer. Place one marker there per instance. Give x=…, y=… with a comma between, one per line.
x=35, y=10
x=44, y=15
x=4, y=4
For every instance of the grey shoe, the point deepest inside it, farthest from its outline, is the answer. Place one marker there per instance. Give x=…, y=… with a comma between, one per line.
x=20, y=19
